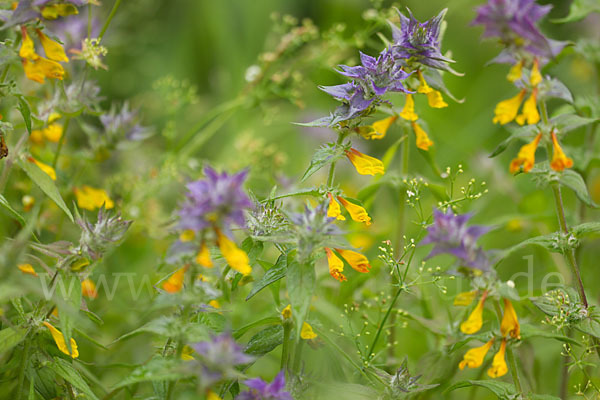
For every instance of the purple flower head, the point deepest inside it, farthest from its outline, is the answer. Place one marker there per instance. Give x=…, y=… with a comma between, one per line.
x=217, y=199
x=261, y=390
x=513, y=21
x=124, y=123
x=450, y=234
x=419, y=41
x=221, y=350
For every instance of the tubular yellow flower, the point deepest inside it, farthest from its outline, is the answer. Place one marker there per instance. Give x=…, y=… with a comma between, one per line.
x=187, y=236
x=334, y=210
x=187, y=353
x=53, y=50
x=90, y=198
x=287, y=312
x=510, y=323
x=499, y=367
x=53, y=132
x=475, y=321
x=356, y=260
x=235, y=257
x=37, y=136
x=33, y=71
x=88, y=289
x=526, y=156
x=423, y=86
x=214, y=304
x=435, y=99
x=364, y=164
x=27, y=49
x=203, y=257
x=336, y=265
x=507, y=110
x=357, y=213
x=559, y=160
x=530, y=112
x=210, y=395
x=474, y=357
x=59, y=339
x=408, y=112
x=27, y=269
x=536, y=76
x=381, y=127
x=465, y=298
x=50, y=69
x=175, y=282
x=44, y=167
x=515, y=72
x=307, y=332
x=423, y=141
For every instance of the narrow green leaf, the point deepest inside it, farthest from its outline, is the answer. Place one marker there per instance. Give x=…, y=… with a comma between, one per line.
x=265, y=341
x=278, y=271
x=10, y=337
x=504, y=391
x=66, y=371
x=575, y=182
x=265, y=321
x=25, y=112
x=6, y=206
x=579, y=10
x=157, y=369
x=324, y=156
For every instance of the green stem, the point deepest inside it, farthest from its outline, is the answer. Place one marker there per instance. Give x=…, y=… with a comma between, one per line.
x=331, y=175
x=285, y=350
x=382, y=324
x=61, y=142
x=110, y=17
x=298, y=356
x=22, y=368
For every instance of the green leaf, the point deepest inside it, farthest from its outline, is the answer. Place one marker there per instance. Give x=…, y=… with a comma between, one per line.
x=6, y=206
x=45, y=183
x=327, y=154
x=586, y=228
x=166, y=326
x=301, y=282
x=265, y=321
x=579, y=10
x=157, y=369
x=525, y=133
x=504, y=391
x=25, y=112
x=569, y=122
x=529, y=331
x=575, y=182
x=66, y=371
x=265, y=341
x=534, y=396
x=10, y=337
x=589, y=326
x=69, y=296
x=550, y=242
x=278, y=271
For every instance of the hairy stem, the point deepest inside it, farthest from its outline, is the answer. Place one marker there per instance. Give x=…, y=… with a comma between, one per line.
x=331, y=175
x=285, y=350
x=61, y=142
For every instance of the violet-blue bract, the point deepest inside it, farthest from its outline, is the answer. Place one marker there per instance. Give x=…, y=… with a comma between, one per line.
x=261, y=390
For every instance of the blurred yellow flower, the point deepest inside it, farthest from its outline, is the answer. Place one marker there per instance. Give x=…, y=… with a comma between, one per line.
x=286, y=313
x=536, y=76
x=516, y=71
x=27, y=269
x=235, y=257
x=59, y=339
x=88, y=289
x=187, y=236
x=175, y=282
x=530, y=112
x=307, y=332
x=203, y=257
x=435, y=99
x=336, y=265
x=54, y=50
x=408, y=112
x=187, y=353
x=90, y=198
x=44, y=167
x=356, y=260
x=465, y=298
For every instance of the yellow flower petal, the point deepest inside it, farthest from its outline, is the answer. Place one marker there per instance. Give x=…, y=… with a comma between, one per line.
x=536, y=76
x=54, y=11
x=516, y=71
x=435, y=99
x=44, y=167
x=37, y=136
x=33, y=71
x=475, y=356
x=90, y=198
x=364, y=164
x=356, y=260
x=187, y=353
x=53, y=117
x=27, y=269
x=465, y=298
x=507, y=110
x=357, y=213
x=499, y=367
x=53, y=132
x=210, y=395
x=175, y=282
x=214, y=304
x=530, y=112
x=423, y=141
x=307, y=332
x=510, y=323
x=408, y=112
x=381, y=127
x=235, y=257
x=54, y=50
x=187, y=236
x=334, y=210
x=287, y=312
x=526, y=156
x=59, y=339
x=50, y=69
x=559, y=160
x=203, y=257
x=423, y=87
x=475, y=321
x=27, y=49
x=88, y=289
x=336, y=265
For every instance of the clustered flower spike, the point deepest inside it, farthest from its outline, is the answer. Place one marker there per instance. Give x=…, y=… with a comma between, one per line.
x=261, y=390
x=450, y=234
x=123, y=123
x=419, y=42
x=97, y=237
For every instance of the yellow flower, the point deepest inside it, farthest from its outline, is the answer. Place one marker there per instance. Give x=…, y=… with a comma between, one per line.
x=356, y=260
x=44, y=167
x=59, y=339
x=423, y=141
x=33, y=71
x=53, y=117
x=42, y=68
x=175, y=281
x=336, y=265
x=53, y=132
x=408, y=112
x=88, y=289
x=37, y=136
x=234, y=256
x=187, y=353
x=474, y=357
x=435, y=99
x=358, y=213
x=423, y=86
x=530, y=111
x=515, y=72
x=526, y=156
x=27, y=269
x=187, y=236
x=214, y=304
x=203, y=257
x=334, y=210
x=54, y=11
x=287, y=312
x=510, y=323
x=507, y=110
x=307, y=332
x=90, y=198
x=536, y=76
x=499, y=367
x=27, y=49
x=475, y=320
x=559, y=160
x=381, y=127
x=53, y=50
x=465, y=298
x=210, y=395
x=364, y=164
